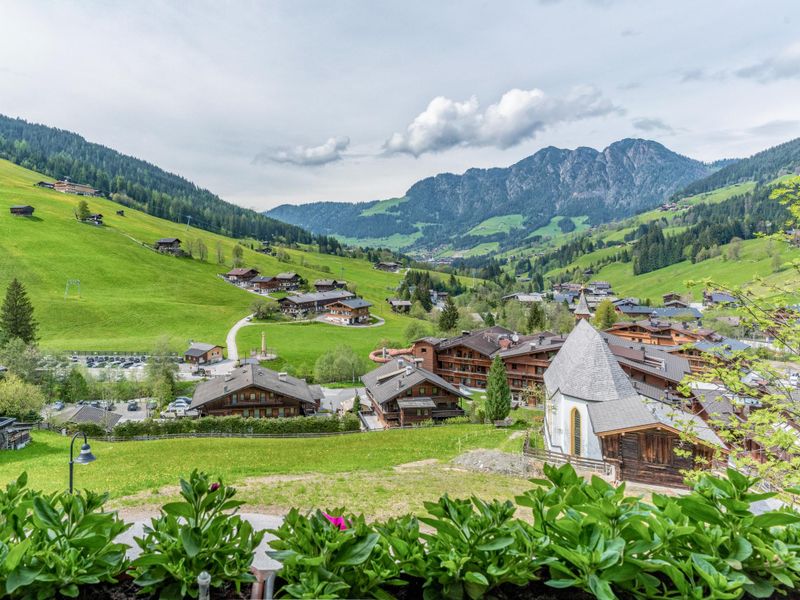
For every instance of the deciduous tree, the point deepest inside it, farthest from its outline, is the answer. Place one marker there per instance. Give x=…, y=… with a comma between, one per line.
x=605, y=315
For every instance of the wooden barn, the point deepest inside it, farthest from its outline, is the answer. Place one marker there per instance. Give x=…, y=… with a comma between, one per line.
x=20, y=210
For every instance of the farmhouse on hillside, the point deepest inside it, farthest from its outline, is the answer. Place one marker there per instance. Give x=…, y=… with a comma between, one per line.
x=303, y=304
x=19, y=210
x=328, y=285
x=85, y=413
x=350, y=311
x=258, y=392
x=265, y=283
x=391, y=267
x=79, y=189
x=399, y=306
x=592, y=410
x=241, y=275
x=169, y=246
x=289, y=281
x=45, y=184
x=200, y=354
x=402, y=393
x=13, y=435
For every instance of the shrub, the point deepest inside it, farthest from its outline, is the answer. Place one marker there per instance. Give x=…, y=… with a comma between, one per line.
x=201, y=533
x=53, y=544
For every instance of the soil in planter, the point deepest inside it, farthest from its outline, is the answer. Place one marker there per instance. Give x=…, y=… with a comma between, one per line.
x=125, y=589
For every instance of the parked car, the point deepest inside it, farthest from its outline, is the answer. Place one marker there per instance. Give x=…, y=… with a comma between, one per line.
x=58, y=405
x=133, y=406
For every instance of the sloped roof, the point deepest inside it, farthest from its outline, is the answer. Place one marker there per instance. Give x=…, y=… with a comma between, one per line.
x=355, y=303
x=253, y=376
x=167, y=241
x=331, y=296
x=395, y=377
x=632, y=413
x=199, y=349
x=649, y=358
x=289, y=275
x=583, y=306
x=88, y=414
x=585, y=368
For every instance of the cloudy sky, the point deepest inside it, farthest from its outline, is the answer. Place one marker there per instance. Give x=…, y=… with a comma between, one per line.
x=273, y=102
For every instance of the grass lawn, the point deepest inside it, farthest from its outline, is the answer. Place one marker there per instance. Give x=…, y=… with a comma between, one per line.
x=127, y=468
x=501, y=224
x=129, y=294
x=300, y=344
x=382, y=207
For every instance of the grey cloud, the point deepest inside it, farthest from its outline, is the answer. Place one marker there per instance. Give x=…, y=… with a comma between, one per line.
x=778, y=126
x=651, y=124
x=517, y=116
x=693, y=75
x=629, y=32
x=784, y=65
x=307, y=156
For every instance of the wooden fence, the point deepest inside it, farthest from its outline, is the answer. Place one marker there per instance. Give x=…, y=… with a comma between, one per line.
x=558, y=458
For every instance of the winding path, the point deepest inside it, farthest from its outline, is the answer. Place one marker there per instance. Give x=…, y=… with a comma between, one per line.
x=230, y=340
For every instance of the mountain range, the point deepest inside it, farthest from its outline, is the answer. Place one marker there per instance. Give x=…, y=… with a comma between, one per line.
x=626, y=178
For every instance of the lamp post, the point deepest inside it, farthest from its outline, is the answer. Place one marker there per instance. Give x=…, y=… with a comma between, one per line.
x=84, y=458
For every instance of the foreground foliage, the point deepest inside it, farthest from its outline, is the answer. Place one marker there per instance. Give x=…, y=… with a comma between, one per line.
x=585, y=535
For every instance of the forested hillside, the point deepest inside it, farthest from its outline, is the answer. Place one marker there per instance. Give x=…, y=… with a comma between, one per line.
x=763, y=166
x=134, y=182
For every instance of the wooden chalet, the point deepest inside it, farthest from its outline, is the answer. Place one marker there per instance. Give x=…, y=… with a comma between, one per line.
x=22, y=210
x=711, y=298
x=13, y=435
x=399, y=306
x=593, y=410
x=466, y=359
x=659, y=333
x=289, y=281
x=256, y=392
x=79, y=189
x=350, y=311
x=303, y=304
x=241, y=275
x=200, y=354
x=94, y=219
x=45, y=184
x=402, y=393
x=168, y=245
x=265, y=283
x=391, y=267
x=328, y=285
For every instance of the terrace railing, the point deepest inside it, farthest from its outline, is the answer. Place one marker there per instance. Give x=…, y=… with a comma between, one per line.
x=559, y=458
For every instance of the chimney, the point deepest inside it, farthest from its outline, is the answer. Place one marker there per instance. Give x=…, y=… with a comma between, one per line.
x=505, y=343
x=465, y=332
x=541, y=340
x=282, y=376
x=409, y=369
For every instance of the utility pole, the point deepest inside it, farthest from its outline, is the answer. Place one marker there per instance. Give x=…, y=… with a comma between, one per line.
x=188, y=221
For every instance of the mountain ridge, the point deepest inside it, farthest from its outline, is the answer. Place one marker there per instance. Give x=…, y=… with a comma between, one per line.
x=626, y=177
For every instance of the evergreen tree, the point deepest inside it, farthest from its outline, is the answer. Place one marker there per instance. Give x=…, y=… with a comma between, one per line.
x=16, y=315
x=488, y=319
x=498, y=394
x=536, y=318
x=605, y=315
x=449, y=317
x=423, y=296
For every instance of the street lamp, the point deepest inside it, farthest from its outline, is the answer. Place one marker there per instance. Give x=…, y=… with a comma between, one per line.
x=84, y=458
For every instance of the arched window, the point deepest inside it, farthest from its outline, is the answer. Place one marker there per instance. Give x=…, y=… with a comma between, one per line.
x=575, y=431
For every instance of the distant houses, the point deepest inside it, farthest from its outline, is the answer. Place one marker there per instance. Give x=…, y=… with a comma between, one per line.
x=169, y=245
x=257, y=392
x=45, y=184
x=241, y=275
x=201, y=354
x=93, y=219
x=22, y=210
x=399, y=306
x=282, y=282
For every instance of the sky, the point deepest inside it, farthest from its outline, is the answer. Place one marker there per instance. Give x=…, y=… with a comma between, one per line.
x=266, y=103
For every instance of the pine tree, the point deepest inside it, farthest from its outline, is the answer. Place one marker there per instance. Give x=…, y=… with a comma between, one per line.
x=449, y=317
x=535, y=318
x=16, y=315
x=498, y=394
x=605, y=315
x=488, y=319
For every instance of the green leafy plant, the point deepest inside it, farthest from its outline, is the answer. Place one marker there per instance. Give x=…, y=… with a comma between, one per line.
x=201, y=533
x=327, y=558
x=51, y=545
x=477, y=546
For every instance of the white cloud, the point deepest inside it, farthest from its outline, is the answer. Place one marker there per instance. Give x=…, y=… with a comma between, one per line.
x=784, y=65
x=651, y=124
x=307, y=156
x=518, y=116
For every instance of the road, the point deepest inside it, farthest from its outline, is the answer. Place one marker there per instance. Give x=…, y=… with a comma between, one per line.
x=230, y=341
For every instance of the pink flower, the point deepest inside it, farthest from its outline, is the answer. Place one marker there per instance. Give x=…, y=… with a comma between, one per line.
x=213, y=487
x=337, y=521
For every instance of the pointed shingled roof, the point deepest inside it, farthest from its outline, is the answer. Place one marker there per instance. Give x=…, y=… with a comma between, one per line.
x=585, y=368
x=583, y=306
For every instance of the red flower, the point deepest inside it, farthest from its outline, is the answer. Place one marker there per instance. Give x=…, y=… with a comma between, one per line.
x=214, y=487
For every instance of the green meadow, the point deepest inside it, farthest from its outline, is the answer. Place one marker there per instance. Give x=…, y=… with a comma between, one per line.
x=129, y=294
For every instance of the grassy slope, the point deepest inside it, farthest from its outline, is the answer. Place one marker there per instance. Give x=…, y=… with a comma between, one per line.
x=130, y=295
x=502, y=224
x=382, y=207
